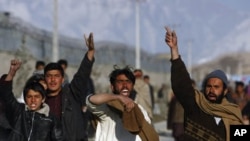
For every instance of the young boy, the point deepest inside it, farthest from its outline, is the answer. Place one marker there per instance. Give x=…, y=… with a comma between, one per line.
x=32, y=120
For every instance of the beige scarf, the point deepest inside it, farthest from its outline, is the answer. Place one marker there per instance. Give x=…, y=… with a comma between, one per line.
x=135, y=122
x=229, y=112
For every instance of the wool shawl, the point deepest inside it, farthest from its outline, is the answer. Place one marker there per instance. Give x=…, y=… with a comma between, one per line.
x=135, y=122
x=229, y=112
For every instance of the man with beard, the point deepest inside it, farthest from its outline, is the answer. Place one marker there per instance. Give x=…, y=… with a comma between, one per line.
x=117, y=111
x=208, y=114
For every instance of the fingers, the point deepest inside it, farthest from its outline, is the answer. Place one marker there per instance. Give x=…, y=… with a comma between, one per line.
x=15, y=62
x=14, y=66
x=169, y=32
x=168, y=36
x=129, y=106
x=86, y=40
x=174, y=34
x=89, y=41
x=127, y=102
x=91, y=36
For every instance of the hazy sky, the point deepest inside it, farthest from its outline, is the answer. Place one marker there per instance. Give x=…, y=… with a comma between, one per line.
x=237, y=4
x=30, y=10
x=101, y=16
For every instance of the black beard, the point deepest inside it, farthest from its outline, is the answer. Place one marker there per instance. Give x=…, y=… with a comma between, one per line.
x=131, y=95
x=218, y=99
x=115, y=92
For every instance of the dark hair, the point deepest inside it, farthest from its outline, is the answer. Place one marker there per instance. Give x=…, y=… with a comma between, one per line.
x=138, y=73
x=138, y=70
x=117, y=71
x=35, y=86
x=63, y=62
x=53, y=66
x=39, y=63
x=146, y=76
x=239, y=83
x=34, y=78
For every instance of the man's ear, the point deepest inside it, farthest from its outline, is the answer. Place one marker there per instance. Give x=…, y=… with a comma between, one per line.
x=111, y=87
x=62, y=80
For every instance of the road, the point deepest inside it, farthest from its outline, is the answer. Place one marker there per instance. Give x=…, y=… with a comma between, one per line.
x=160, y=127
x=165, y=135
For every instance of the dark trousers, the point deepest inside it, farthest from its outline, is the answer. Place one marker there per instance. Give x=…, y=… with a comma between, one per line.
x=178, y=131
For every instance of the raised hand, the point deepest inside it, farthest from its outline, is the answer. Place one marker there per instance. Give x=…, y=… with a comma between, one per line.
x=14, y=66
x=170, y=38
x=90, y=44
x=89, y=41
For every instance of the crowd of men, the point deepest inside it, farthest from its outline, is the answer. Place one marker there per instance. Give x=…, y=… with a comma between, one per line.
x=54, y=108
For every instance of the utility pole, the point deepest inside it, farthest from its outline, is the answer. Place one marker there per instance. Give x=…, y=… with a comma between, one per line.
x=189, y=57
x=137, y=35
x=228, y=72
x=55, y=52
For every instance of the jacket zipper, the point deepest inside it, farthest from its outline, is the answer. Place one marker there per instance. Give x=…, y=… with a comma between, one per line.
x=32, y=122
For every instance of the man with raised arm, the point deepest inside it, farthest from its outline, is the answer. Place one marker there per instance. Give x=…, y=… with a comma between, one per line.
x=208, y=114
x=120, y=118
x=66, y=102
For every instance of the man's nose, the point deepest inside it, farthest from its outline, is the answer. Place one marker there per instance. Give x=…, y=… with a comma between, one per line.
x=32, y=99
x=124, y=83
x=211, y=89
x=53, y=78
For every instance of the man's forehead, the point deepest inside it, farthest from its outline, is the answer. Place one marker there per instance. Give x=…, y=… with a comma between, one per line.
x=121, y=76
x=214, y=80
x=53, y=72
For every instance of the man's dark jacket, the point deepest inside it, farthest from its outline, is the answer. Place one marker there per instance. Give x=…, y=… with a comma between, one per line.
x=72, y=96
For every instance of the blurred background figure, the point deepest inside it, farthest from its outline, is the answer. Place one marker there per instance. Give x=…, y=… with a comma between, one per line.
x=142, y=92
x=247, y=89
x=146, y=79
x=240, y=96
x=175, y=120
x=246, y=114
x=163, y=98
x=64, y=64
x=39, y=67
